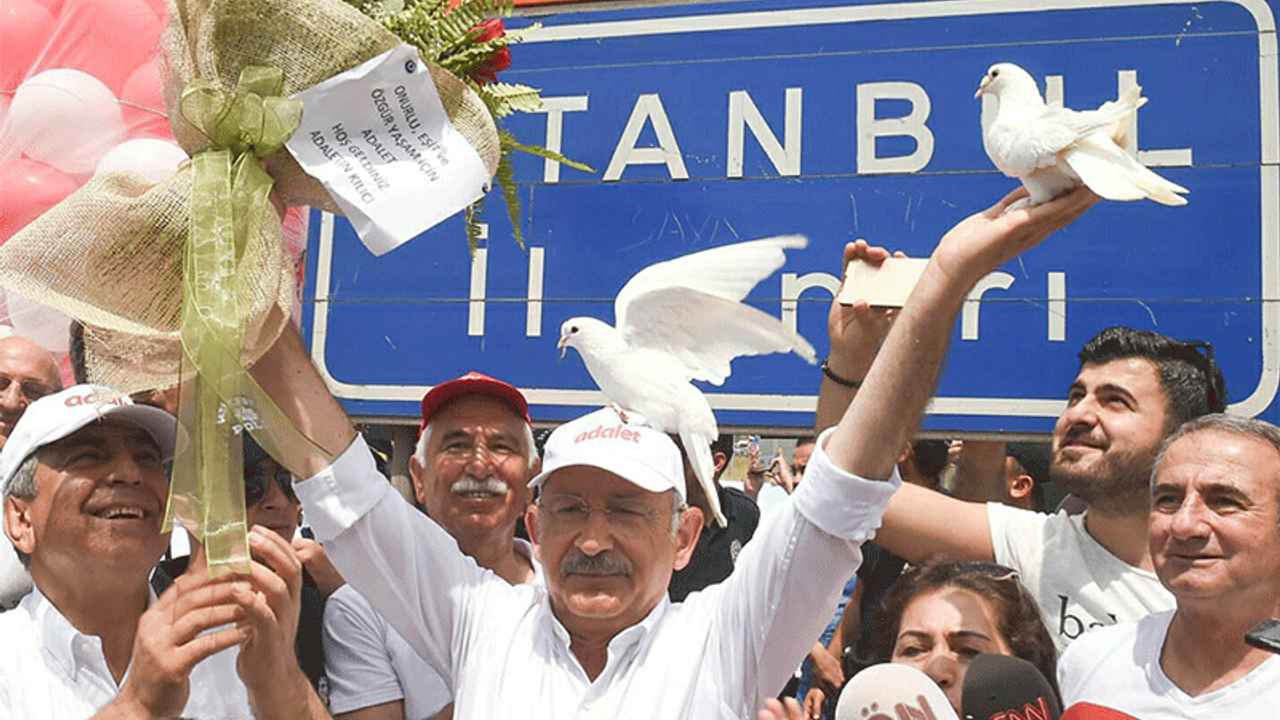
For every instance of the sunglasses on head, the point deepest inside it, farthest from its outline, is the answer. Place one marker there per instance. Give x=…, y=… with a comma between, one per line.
x=255, y=485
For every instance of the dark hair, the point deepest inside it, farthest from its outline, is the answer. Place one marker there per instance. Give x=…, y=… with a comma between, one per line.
x=722, y=444
x=806, y=440
x=1192, y=381
x=930, y=457
x=1017, y=613
x=76, y=350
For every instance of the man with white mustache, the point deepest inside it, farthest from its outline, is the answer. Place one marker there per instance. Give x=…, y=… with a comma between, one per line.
x=471, y=468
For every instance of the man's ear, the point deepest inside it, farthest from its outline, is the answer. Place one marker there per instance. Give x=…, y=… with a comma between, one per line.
x=718, y=461
x=1020, y=486
x=17, y=524
x=687, y=533
x=534, y=530
x=419, y=480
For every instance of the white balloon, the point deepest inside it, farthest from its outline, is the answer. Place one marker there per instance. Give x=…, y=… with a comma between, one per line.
x=152, y=158
x=65, y=118
x=47, y=327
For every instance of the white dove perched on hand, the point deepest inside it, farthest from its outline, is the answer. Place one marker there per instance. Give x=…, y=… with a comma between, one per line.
x=1053, y=149
x=683, y=320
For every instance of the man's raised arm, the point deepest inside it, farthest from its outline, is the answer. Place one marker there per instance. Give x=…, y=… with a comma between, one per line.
x=290, y=379
x=886, y=410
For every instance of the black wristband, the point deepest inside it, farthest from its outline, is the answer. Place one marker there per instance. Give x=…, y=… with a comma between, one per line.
x=826, y=370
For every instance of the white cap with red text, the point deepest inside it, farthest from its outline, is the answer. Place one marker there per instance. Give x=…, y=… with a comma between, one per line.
x=641, y=455
x=54, y=417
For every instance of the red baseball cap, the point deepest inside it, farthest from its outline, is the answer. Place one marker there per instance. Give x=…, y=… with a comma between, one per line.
x=473, y=382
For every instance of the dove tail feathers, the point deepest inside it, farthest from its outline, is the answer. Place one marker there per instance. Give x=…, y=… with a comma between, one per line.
x=698, y=449
x=1116, y=175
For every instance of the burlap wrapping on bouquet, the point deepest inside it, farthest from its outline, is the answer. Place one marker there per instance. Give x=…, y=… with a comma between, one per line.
x=111, y=253
x=311, y=41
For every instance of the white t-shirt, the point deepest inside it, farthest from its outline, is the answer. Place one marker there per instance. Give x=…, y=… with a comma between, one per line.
x=1077, y=582
x=49, y=670
x=1119, y=667
x=369, y=663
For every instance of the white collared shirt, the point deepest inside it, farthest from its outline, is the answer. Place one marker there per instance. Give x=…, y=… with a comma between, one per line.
x=49, y=670
x=719, y=654
x=369, y=663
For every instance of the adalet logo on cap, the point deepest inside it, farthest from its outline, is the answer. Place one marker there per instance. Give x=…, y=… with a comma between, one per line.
x=97, y=398
x=618, y=431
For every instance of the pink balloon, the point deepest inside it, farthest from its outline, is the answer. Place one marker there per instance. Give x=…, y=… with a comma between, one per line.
x=142, y=101
x=25, y=26
x=53, y=6
x=30, y=188
x=108, y=39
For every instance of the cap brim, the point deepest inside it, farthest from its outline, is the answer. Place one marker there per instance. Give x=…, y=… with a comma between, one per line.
x=644, y=478
x=164, y=428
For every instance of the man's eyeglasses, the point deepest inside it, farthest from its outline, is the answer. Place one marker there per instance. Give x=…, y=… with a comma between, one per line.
x=256, y=485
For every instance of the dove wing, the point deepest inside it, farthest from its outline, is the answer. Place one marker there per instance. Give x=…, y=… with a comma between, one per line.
x=1028, y=143
x=705, y=332
x=1114, y=174
x=728, y=271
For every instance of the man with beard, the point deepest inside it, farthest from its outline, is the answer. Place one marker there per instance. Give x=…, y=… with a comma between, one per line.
x=1133, y=389
x=1214, y=532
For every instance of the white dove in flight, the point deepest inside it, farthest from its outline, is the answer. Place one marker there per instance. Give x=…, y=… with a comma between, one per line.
x=683, y=320
x=1053, y=149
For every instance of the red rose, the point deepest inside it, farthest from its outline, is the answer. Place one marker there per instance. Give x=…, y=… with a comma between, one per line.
x=500, y=60
x=490, y=29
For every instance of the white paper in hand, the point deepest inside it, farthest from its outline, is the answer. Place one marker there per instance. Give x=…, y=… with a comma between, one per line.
x=886, y=285
x=380, y=141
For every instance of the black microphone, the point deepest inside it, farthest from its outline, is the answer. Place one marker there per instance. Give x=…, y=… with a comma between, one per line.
x=893, y=692
x=1266, y=636
x=999, y=687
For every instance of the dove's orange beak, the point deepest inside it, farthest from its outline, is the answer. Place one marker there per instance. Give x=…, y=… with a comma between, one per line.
x=982, y=87
x=563, y=345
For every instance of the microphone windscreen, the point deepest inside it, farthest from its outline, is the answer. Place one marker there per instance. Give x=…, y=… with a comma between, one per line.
x=1089, y=711
x=893, y=692
x=998, y=687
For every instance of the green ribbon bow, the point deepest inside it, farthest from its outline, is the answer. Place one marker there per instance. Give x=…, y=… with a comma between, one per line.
x=230, y=204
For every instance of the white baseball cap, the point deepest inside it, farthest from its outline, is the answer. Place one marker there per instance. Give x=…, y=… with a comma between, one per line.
x=638, y=454
x=54, y=417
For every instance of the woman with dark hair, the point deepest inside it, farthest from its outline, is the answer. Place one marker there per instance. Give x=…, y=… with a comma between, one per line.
x=940, y=615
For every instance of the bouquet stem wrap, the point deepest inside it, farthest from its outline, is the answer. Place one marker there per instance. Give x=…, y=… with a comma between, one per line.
x=230, y=200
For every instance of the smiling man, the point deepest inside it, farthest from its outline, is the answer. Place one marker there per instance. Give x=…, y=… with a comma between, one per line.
x=1134, y=387
x=28, y=372
x=1215, y=541
x=84, y=496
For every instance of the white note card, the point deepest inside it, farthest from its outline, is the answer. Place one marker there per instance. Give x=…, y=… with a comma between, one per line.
x=378, y=138
x=886, y=285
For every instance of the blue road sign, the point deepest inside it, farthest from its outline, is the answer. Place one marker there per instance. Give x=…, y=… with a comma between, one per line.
x=710, y=123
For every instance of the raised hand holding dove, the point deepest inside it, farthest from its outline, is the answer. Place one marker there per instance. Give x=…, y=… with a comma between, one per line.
x=1054, y=149
x=683, y=320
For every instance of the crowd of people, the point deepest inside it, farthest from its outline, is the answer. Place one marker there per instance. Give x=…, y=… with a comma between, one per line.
x=588, y=578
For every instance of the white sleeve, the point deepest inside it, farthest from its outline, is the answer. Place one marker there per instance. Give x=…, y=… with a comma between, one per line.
x=767, y=614
x=407, y=567
x=1019, y=539
x=356, y=658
